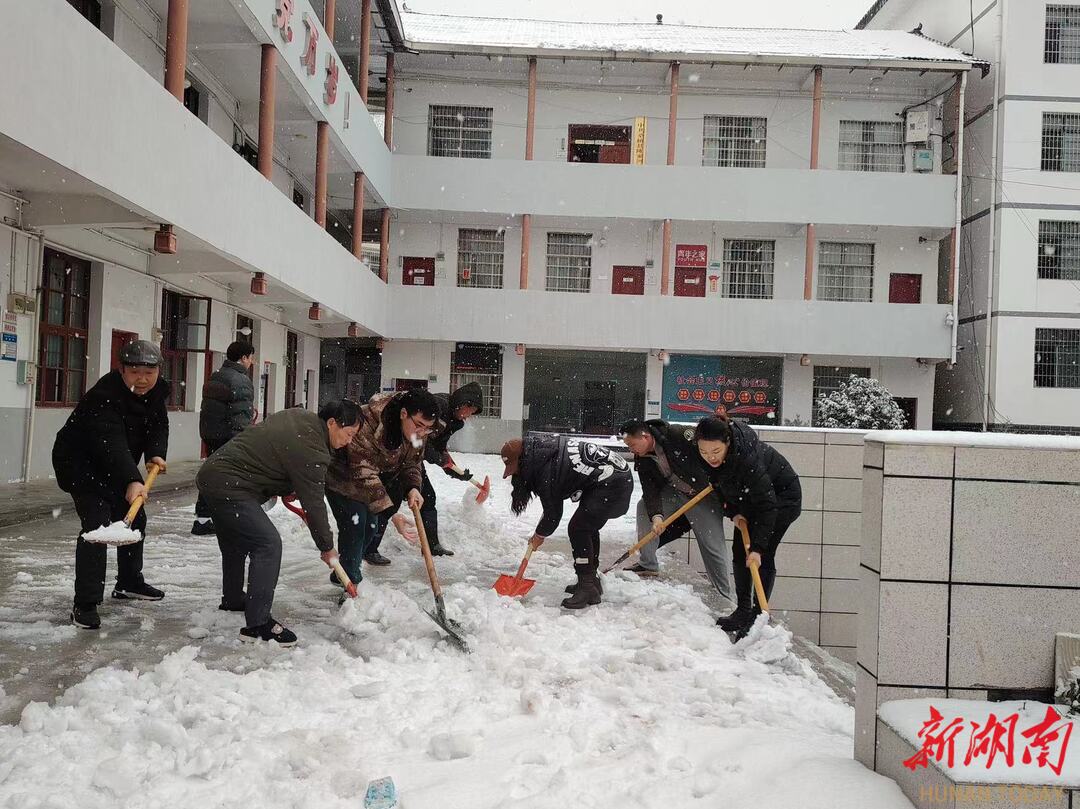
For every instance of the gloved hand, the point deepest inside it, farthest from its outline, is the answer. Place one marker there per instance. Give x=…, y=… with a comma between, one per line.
x=464, y=474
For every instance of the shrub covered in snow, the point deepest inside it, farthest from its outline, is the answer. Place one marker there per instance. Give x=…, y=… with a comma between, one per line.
x=860, y=404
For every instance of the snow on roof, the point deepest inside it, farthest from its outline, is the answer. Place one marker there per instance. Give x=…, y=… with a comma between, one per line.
x=480, y=33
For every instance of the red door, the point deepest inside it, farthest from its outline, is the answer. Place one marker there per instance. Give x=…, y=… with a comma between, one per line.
x=119, y=340
x=905, y=288
x=418, y=272
x=690, y=282
x=628, y=280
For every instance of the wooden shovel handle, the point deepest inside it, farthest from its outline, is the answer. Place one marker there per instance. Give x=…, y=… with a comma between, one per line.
x=744, y=529
x=649, y=537
x=458, y=470
x=137, y=503
x=429, y=563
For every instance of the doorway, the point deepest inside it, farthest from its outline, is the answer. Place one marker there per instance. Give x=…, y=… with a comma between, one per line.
x=587, y=392
x=119, y=340
x=592, y=143
x=627, y=280
x=417, y=272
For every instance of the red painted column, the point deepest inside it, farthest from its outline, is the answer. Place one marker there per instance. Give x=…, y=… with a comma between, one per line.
x=358, y=214
x=388, y=124
x=672, y=134
x=322, y=158
x=267, y=84
x=176, y=36
x=384, y=246
x=811, y=235
x=530, y=136
x=365, y=49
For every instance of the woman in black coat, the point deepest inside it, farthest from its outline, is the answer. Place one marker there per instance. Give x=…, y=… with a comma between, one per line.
x=756, y=482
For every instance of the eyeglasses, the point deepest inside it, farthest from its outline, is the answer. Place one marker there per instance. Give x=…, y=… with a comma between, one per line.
x=422, y=427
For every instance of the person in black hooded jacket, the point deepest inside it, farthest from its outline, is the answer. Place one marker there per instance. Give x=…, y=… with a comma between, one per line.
x=119, y=421
x=556, y=468
x=756, y=482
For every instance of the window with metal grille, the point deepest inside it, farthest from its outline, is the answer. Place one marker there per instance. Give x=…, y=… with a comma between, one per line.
x=828, y=378
x=185, y=321
x=871, y=146
x=1062, y=35
x=1057, y=358
x=1059, y=250
x=481, y=364
x=748, y=268
x=1061, y=141
x=734, y=141
x=459, y=131
x=480, y=258
x=845, y=271
x=65, y=318
x=569, y=262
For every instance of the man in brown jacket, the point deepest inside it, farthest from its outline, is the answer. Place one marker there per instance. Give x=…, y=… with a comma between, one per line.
x=388, y=447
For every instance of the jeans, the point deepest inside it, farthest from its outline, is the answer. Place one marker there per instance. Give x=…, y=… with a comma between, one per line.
x=356, y=526
x=429, y=514
x=91, y=558
x=244, y=531
x=707, y=520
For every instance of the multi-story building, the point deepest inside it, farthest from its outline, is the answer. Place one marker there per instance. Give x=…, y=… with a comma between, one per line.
x=595, y=221
x=1019, y=360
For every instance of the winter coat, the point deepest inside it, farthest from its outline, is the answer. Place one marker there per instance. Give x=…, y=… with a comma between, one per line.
x=228, y=401
x=379, y=447
x=555, y=468
x=755, y=481
x=447, y=423
x=287, y=452
x=99, y=447
x=677, y=444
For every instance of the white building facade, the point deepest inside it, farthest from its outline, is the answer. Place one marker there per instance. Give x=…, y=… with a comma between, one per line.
x=1020, y=248
x=628, y=221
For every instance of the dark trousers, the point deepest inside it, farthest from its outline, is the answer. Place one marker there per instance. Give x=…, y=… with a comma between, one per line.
x=96, y=510
x=201, y=509
x=244, y=531
x=598, y=504
x=429, y=513
x=744, y=581
x=356, y=526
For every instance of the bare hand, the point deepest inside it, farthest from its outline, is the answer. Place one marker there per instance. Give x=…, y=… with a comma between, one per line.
x=536, y=541
x=158, y=462
x=405, y=527
x=754, y=559
x=135, y=489
x=658, y=525
x=329, y=557
x=416, y=500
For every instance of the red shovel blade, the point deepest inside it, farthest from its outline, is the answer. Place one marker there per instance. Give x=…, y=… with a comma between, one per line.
x=512, y=586
x=485, y=490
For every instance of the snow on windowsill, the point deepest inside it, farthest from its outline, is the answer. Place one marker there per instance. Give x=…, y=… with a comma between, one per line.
x=945, y=438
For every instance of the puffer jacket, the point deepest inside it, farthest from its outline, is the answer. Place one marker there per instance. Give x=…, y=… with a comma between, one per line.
x=470, y=394
x=378, y=448
x=228, y=400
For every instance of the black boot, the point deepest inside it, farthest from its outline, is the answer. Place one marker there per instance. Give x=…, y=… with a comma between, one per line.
x=439, y=550
x=743, y=615
x=376, y=558
x=737, y=620
x=203, y=529
x=587, y=592
x=572, y=588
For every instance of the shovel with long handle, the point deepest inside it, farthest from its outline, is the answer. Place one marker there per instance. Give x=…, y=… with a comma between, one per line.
x=744, y=529
x=121, y=533
x=350, y=588
x=449, y=626
x=485, y=487
x=139, y=501
x=649, y=537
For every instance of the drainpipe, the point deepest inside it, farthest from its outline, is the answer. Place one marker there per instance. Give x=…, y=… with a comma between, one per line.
x=384, y=246
x=388, y=123
x=530, y=133
x=992, y=253
x=954, y=272
x=358, y=215
x=815, y=140
x=365, y=49
x=673, y=111
x=31, y=393
x=176, y=37
x=267, y=83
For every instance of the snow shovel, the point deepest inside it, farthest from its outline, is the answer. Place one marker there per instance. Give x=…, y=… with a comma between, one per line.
x=516, y=585
x=290, y=503
x=759, y=590
x=485, y=487
x=649, y=537
x=449, y=626
x=121, y=533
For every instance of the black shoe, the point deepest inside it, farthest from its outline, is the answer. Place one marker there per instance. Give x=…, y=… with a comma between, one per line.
x=203, y=529
x=232, y=606
x=572, y=588
x=335, y=581
x=439, y=550
x=376, y=558
x=742, y=617
x=85, y=617
x=271, y=631
x=644, y=572
x=141, y=591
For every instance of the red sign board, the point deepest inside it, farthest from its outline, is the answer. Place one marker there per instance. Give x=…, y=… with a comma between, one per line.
x=691, y=255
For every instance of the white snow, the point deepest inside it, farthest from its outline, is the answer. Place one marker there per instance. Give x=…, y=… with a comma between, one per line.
x=116, y=533
x=640, y=702
x=22, y=577
x=908, y=716
x=964, y=439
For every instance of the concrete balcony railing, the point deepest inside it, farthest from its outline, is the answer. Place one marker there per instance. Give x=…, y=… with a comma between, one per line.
x=640, y=323
x=683, y=193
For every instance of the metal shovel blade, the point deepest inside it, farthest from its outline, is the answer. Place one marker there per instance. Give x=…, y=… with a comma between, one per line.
x=451, y=627
x=512, y=586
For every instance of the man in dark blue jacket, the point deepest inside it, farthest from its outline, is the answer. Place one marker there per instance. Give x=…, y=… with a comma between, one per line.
x=119, y=421
x=228, y=400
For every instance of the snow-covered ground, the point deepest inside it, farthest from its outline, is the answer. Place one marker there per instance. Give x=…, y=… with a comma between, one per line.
x=640, y=702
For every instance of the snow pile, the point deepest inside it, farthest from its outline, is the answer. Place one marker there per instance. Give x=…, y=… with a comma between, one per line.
x=639, y=702
x=116, y=533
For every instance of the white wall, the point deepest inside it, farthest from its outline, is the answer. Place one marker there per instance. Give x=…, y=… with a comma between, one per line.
x=408, y=359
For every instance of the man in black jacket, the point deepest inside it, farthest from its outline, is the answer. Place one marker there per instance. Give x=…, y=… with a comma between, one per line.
x=671, y=472
x=556, y=468
x=454, y=410
x=228, y=401
x=96, y=455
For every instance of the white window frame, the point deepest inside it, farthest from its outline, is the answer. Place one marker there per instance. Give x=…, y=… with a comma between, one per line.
x=1062, y=38
x=846, y=272
x=749, y=266
x=734, y=141
x=569, y=262
x=872, y=146
x=459, y=131
x=482, y=252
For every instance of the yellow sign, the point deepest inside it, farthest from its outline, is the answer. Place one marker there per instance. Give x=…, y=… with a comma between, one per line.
x=637, y=157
